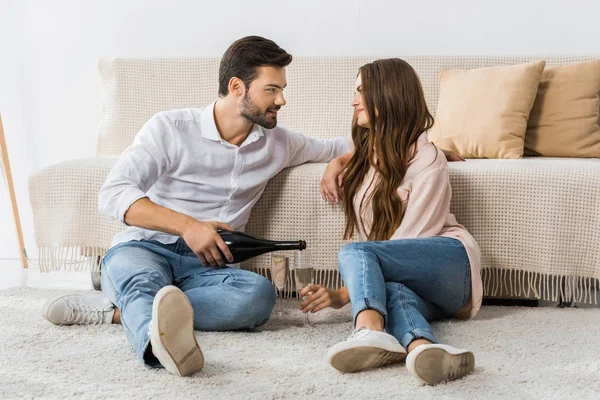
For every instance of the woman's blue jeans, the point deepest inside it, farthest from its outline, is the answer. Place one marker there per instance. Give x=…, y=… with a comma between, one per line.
x=410, y=282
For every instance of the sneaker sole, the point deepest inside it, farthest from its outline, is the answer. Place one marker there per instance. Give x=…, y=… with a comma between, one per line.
x=360, y=358
x=172, y=333
x=436, y=365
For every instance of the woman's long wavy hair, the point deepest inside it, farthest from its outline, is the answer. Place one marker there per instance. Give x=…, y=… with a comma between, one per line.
x=394, y=101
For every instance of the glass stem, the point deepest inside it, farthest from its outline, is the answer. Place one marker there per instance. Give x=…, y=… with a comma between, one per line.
x=280, y=295
x=281, y=302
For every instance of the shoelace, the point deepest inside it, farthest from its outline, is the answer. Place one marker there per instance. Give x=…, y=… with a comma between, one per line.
x=84, y=314
x=358, y=332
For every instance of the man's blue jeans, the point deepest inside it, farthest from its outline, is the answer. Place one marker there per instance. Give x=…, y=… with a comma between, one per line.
x=408, y=281
x=222, y=298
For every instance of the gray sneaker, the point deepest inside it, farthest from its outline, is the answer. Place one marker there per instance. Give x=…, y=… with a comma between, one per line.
x=78, y=309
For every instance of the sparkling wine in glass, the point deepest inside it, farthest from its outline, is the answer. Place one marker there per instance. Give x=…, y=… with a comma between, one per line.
x=279, y=273
x=304, y=272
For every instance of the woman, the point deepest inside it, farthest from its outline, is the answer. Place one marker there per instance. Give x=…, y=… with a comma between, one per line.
x=415, y=263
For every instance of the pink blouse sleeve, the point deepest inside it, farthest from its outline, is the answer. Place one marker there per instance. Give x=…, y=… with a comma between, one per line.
x=428, y=205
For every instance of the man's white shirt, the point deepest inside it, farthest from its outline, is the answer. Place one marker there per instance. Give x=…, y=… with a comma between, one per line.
x=179, y=161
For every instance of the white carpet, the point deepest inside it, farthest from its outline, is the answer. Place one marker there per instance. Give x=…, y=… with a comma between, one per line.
x=521, y=353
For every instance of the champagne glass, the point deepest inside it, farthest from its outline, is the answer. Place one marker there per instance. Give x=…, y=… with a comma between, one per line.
x=279, y=273
x=304, y=272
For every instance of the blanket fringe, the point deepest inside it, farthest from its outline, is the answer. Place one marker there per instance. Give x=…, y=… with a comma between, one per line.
x=72, y=258
x=503, y=283
x=497, y=282
x=509, y=283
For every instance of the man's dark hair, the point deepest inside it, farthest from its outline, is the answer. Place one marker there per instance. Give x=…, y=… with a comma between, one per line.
x=246, y=54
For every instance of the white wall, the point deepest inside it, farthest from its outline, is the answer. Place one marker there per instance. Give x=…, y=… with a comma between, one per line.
x=50, y=95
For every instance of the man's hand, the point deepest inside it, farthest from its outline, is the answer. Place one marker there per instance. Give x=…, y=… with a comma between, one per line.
x=205, y=242
x=452, y=156
x=200, y=236
x=319, y=297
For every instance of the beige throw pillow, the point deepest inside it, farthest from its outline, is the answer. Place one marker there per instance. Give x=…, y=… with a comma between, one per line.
x=564, y=118
x=483, y=112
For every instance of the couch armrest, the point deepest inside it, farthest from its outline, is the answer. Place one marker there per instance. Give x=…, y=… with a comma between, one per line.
x=68, y=225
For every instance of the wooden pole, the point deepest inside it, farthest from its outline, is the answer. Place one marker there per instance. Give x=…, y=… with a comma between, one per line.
x=11, y=190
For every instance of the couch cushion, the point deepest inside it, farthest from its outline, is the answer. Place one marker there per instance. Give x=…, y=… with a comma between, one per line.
x=482, y=113
x=564, y=118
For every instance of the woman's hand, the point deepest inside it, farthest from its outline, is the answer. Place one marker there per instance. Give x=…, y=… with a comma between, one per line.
x=452, y=156
x=332, y=178
x=319, y=297
x=330, y=183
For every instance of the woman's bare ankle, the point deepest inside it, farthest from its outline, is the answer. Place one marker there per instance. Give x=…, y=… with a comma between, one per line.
x=370, y=319
x=416, y=343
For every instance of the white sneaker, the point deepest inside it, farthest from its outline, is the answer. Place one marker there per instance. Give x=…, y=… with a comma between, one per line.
x=78, y=309
x=172, y=333
x=435, y=363
x=364, y=349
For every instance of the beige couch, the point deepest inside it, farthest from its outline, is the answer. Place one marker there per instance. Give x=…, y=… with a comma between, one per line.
x=535, y=219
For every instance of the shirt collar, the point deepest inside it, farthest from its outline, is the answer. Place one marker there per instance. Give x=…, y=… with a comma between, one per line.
x=208, y=125
x=255, y=134
x=210, y=131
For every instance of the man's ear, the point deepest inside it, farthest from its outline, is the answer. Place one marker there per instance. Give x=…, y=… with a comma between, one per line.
x=236, y=86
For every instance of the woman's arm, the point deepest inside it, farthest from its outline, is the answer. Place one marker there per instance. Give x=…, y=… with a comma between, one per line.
x=428, y=204
x=331, y=180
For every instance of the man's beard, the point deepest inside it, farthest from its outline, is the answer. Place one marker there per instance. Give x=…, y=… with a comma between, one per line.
x=252, y=112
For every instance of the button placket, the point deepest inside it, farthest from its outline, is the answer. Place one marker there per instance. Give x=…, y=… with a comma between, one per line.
x=237, y=167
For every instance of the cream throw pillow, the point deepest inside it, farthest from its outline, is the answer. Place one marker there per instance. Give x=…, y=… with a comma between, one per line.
x=483, y=112
x=564, y=118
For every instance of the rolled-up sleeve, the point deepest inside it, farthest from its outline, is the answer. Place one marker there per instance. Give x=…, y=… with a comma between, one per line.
x=139, y=167
x=302, y=149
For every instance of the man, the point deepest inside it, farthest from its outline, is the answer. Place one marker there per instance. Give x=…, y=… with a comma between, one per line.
x=188, y=173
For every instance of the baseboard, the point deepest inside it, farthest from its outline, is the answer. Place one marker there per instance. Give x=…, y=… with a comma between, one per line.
x=492, y=301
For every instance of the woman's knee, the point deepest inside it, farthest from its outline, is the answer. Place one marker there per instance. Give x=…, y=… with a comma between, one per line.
x=353, y=254
x=348, y=253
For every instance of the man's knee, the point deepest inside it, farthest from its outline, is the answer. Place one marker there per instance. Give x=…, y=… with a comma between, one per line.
x=133, y=268
x=265, y=298
x=259, y=302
